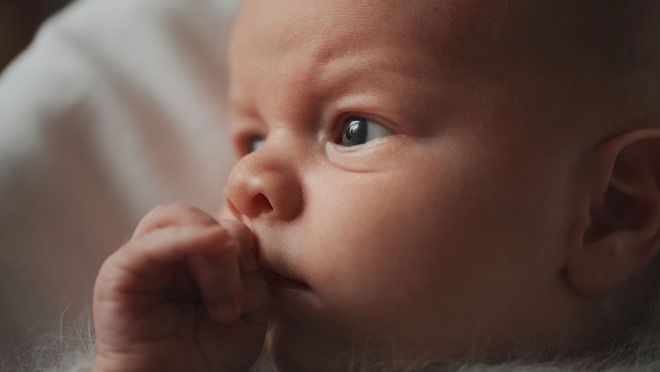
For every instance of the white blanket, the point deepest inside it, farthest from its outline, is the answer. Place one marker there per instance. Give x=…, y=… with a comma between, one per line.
x=117, y=106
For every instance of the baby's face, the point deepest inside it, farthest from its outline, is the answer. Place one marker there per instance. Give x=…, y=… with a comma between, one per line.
x=416, y=199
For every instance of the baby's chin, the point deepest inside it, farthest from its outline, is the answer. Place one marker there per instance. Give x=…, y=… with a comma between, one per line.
x=288, y=347
x=293, y=347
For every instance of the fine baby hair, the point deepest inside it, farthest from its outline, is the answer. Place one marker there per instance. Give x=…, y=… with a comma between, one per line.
x=425, y=185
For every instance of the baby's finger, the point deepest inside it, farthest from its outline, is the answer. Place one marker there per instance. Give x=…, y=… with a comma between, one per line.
x=169, y=215
x=248, y=255
x=220, y=277
x=255, y=292
x=161, y=251
x=219, y=280
x=255, y=289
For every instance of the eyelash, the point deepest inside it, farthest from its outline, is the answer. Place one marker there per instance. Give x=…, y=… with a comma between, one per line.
x=245, y=141
x=379, y=130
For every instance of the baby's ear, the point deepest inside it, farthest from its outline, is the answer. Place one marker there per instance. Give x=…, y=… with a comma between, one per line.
x=620, y=230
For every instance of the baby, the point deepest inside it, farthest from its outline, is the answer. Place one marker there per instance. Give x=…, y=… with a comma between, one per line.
x=420, y=185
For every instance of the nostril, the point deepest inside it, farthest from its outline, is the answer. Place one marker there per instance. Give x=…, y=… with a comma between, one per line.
x=261, y=203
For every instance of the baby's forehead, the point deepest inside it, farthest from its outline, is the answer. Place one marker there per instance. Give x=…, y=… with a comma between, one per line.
x=473, y=28
x=419, y=19
x=506, y=39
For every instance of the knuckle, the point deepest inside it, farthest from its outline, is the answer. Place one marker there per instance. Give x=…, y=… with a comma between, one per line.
x=222, y=241
x=184, y=213
x=169, y=209
x=219, y=234
x=158, y=213
x=107, y=282
x=236, y=228
x=173, y=214
x=239, y=232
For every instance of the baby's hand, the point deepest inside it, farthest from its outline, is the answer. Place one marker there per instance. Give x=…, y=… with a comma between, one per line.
x=185, y=294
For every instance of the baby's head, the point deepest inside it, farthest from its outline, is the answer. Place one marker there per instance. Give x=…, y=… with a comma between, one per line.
x=448, y=179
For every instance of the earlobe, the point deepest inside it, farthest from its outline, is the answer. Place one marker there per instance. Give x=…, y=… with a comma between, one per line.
x=620, y=228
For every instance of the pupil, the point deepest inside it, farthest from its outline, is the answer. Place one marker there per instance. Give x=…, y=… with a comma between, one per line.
x=355, y=132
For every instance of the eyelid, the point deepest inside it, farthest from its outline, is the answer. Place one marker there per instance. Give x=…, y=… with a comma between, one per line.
x=338, y=125
x=241, y=139
x=244, y=127
x=368, y=158
x=256, y=141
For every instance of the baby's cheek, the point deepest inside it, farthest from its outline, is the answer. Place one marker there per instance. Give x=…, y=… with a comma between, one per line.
x=385, y=277
x=371, y=268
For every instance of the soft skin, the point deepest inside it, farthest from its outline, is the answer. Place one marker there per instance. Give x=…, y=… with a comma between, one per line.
x=496, y=196
x=457, y=233
x=184, y=294
x=446, y=237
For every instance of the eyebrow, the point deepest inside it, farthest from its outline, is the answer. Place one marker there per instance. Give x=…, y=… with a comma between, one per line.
x=347, y=71
x=356, y=75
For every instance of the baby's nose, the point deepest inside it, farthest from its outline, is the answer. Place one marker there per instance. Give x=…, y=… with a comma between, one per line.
x=261, y=188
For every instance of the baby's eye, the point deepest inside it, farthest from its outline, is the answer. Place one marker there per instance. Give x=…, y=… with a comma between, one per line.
x=357, y=130
x=253, y=143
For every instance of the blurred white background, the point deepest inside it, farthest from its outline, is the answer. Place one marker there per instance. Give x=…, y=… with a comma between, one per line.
x=117, y=106
x=19, y=20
